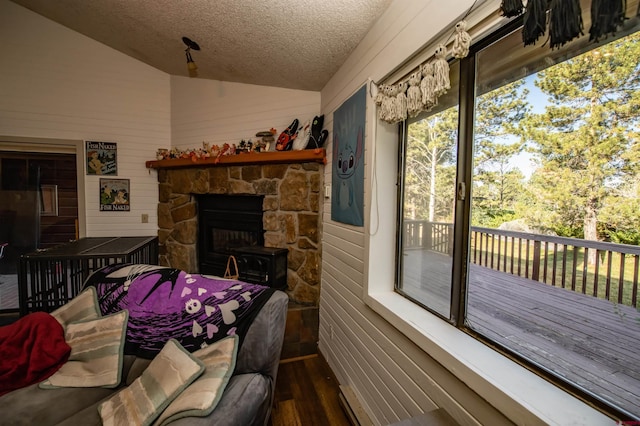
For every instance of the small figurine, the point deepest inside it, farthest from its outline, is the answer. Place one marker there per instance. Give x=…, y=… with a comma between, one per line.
x=162, y=154
x=414, y=95
x=266, y=138
x=223, y=151
x=400, y=102
x=427, y=87
x=441, y=71
x=304, y=133
x=461, y=41
x=285, y=140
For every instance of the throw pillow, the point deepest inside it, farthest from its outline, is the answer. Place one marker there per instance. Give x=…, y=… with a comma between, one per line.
x=82, y=307
x=97, y=352
x=140, y=403
x=202, y=396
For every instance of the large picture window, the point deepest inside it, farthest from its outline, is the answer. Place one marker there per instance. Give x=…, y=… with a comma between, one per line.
x=547, y=270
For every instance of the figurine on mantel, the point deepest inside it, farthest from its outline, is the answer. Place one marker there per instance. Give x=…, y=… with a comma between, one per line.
x=267, y=138
x=288, y=135
x=318, y=135
x=302, y=138
x=310, y=135
x=162, y=154
x=244, y=147
x=266, y=142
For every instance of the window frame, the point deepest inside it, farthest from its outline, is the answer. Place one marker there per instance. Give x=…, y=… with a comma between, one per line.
x=495, y=374
x=501, y=381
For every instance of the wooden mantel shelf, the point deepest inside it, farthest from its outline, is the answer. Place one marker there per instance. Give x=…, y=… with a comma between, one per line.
x=272, y=157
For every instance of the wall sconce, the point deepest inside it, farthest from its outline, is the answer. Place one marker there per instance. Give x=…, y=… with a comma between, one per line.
x=191, y=65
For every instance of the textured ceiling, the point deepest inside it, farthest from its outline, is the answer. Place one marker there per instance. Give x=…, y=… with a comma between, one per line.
x=297, y=44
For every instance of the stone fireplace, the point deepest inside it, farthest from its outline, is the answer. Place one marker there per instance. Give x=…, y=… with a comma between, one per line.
x=291, y=215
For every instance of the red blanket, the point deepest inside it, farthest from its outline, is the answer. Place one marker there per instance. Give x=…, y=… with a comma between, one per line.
x=31, y=349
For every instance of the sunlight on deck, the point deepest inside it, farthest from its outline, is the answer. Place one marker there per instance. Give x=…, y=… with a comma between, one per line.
x=593, y=343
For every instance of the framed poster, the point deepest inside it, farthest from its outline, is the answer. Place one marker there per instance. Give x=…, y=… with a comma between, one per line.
x=102, y=158
x=347, y=166
x=48, y=200
x=114, y=195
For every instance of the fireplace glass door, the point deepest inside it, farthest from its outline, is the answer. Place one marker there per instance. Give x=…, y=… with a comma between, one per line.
x=225, y=223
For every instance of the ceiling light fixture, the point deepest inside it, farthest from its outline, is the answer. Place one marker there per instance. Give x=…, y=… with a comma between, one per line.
x=191, y=65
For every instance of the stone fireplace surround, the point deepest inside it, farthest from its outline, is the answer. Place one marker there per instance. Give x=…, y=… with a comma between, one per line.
x=291, y=217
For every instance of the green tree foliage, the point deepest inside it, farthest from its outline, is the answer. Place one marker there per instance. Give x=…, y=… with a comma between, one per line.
x=430, y=167
x=619, y=217
x=431, y=156
x=586, y=140
x=497, y=185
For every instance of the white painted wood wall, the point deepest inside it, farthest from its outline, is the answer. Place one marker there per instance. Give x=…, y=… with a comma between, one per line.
x=218, y=111
x=56, y=84
x=392, y=377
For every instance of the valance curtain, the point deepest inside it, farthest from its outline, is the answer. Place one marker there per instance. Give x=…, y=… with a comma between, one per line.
x=563, y=21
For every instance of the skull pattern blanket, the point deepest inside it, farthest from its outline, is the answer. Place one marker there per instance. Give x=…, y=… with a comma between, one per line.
x=166, y=303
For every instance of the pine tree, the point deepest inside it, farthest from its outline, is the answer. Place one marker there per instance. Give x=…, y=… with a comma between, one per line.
x=586, y=141
x=430, y=166
x=496, y=184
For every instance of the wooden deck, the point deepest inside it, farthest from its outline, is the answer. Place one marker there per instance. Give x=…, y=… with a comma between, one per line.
x=590, y=342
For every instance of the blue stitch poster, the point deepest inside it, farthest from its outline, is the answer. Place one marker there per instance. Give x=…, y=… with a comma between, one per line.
x=347, y=176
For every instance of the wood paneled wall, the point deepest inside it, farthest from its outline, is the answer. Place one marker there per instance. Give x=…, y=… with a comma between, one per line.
x=391, y=376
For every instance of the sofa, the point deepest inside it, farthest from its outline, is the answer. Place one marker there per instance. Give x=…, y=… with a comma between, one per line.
x=245, y=397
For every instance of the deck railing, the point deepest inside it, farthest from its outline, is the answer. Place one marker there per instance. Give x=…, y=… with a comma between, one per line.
x=434, y=236
x=605, y=270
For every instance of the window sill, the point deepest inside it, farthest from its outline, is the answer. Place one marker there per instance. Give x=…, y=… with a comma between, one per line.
x=519, y=394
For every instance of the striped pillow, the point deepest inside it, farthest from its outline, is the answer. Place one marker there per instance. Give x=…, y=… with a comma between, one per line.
x=82, y=307
x=140, y=403
x=202, y=396
x=96, y=357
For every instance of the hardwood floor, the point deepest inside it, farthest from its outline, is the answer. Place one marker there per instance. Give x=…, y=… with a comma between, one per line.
x=307, y=394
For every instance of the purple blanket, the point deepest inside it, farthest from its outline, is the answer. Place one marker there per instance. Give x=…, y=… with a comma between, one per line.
x=166, y=303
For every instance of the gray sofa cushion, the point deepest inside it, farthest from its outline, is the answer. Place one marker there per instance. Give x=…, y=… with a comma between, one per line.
x=34, y=406
x=89, y=416
x=247, y=399
x=263, y=341
x=245, y=402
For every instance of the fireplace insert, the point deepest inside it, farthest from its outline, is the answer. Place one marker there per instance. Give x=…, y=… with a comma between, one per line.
x=263, y=265
x=227, y=222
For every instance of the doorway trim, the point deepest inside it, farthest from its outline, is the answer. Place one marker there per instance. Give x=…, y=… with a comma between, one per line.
x=58, y=146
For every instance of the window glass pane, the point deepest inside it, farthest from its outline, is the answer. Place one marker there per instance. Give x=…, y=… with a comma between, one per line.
x=426, y=230
x=555, y=211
